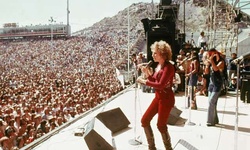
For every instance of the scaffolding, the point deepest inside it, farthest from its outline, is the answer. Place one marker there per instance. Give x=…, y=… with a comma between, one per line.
x=223, y=24
x=221, y=28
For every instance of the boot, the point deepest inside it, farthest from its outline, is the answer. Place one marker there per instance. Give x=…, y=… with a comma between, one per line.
x=194, y=105
x=150, y=137
x=166, y=140
x=193, y=101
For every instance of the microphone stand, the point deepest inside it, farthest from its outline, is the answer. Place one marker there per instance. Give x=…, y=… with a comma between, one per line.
x=134, y=141
x=190, y=99
x=237, y=106
x=192, y=40
x=186, y=80
x=190, y=103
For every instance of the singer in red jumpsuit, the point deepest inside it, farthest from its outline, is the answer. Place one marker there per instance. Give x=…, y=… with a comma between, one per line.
x=161, y=80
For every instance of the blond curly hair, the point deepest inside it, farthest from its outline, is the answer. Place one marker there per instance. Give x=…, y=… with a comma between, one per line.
x=164, y=48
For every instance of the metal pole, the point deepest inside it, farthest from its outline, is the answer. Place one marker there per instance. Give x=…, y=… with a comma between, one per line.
x=237, y=96
x=236, y=109
x=51, y=20
x=210, y=27
x=128, y=40
x=68, y=29
x=184, y=18
x=186, y=87
x=133, y=141
x=51, y=34
x=189, y=92
x=214, y=9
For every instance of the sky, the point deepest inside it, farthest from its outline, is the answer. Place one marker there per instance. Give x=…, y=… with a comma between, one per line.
x=83, y=13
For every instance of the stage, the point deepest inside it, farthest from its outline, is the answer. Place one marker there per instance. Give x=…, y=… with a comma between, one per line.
x=189, y=132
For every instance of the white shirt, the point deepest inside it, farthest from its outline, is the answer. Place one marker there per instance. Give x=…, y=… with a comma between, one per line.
x=177, y=79
x=201, y=39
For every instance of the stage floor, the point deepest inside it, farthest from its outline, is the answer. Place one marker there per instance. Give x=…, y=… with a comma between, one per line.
x=190, y=131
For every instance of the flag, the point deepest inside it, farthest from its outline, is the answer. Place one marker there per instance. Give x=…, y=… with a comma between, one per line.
x=120, y=76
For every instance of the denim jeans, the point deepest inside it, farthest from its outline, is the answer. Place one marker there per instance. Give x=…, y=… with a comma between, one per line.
x=212, y=117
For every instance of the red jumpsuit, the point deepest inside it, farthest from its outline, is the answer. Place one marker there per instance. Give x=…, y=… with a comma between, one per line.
x=164, y=99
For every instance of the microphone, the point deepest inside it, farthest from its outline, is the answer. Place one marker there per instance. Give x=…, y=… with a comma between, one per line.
x=149, y=63
x=145, y=64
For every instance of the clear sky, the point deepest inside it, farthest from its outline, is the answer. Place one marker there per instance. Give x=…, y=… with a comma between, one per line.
x=83, y=13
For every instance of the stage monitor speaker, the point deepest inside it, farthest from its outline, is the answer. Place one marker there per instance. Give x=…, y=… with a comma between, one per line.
x=174, y=116
x=94, y=140
x=114, y=120
x=165, y=2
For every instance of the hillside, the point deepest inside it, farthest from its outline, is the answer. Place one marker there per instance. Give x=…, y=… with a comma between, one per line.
x=196, y=20
x=195, y=17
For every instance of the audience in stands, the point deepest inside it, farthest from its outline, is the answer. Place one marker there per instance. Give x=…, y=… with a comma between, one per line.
x=43, y=87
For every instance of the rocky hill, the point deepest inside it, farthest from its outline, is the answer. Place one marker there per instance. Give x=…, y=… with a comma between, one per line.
x=197, y=19
x=196, y=15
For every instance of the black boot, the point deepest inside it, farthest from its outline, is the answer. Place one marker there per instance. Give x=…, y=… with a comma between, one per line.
x=166, y=140
x=150, y=137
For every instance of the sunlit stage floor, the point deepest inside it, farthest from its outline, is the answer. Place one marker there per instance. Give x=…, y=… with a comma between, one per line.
x=189, y=132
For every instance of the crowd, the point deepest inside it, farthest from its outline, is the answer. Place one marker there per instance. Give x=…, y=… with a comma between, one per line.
x=46, y=83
